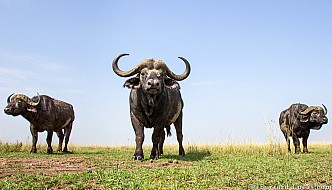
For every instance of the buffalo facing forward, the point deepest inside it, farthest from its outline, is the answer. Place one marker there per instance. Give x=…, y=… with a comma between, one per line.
x=44, y=114
x=155, y=102
x=296, y=122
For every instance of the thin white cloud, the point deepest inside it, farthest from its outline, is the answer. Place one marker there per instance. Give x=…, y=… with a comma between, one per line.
x=9, y=71
x=11, y=74
x=34, y=61
x=32, y=72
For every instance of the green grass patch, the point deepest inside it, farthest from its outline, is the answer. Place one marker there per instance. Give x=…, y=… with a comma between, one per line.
x=227, y=166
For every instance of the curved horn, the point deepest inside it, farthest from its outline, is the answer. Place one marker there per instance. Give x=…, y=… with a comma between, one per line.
x=309, y=109
x=8, y=99
x=182, y=76
x=325, y=109
x=24, y=98
x=28, y=100
x=124, y=73
x=32, y=103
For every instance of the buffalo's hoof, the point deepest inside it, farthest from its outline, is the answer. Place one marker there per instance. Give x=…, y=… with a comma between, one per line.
x=153, y=157
x=33, y=151
x=137, y=158
x=49, y=151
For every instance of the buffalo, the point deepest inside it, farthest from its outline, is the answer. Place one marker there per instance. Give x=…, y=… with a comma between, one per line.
x=44, y=114
x=155, y=102
x=298, y=120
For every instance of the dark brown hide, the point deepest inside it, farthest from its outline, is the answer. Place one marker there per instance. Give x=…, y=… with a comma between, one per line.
x=155, y=102
x=298, y=120
x=49, y=115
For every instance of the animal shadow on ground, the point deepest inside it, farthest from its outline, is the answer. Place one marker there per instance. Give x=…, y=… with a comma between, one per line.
x=196, y=155
x=60, y=152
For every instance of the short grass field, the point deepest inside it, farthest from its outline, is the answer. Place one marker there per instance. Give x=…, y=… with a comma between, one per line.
x=224, y=166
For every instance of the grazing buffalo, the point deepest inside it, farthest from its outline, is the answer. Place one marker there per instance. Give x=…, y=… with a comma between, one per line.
x=44, y=114
x=297, y=120
x=155, y=102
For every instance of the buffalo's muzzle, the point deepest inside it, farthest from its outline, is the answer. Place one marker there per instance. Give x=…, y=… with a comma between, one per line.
x=6, y=110
x=10, y=111
x=153, y=83
x=153, y=86
x=325, y=120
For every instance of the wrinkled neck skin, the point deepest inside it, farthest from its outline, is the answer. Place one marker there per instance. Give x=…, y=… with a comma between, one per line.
x=29, y=115
x=315, y=126
x=148, y=108
x=155, y=110
x=303, y=128
x=36, y=118
x=150, y=102
x=307, y=125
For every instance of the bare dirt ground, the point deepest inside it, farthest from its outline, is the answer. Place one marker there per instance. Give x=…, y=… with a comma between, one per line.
x=47, y=166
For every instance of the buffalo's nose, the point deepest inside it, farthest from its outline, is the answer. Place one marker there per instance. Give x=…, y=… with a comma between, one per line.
x=6, y=110
x=153, y=83
x=325, y=120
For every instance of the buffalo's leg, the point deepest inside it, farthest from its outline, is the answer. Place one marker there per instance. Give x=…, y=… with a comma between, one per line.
x=155, y=141
x=49, y=141
x=161, y=141
x=34, y=134
x=284, y=130
x=179, y=135
x=305, y=143
x=296, y=143
x=287, y=141
x=288, y=144
x=61, y=136
x=139, y=138
x=67, y=135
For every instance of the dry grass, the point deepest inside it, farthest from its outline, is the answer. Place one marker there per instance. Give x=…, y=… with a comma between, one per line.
x=222, y=166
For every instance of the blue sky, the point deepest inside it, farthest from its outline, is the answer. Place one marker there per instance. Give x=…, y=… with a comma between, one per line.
x=250, y=60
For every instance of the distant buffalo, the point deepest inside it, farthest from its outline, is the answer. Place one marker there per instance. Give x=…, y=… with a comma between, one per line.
x=44, y=114
x=297, y=120
x=155, y=102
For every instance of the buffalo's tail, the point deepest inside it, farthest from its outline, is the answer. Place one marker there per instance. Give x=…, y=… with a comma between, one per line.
x=168, y=130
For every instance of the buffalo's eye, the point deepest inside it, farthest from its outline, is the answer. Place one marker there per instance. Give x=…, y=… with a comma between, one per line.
x=160, y=74
x=18, y=103
x=143, y=75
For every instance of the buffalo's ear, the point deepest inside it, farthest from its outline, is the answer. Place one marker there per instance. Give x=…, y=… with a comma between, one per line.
x=304, y=118
x=172, y=84
x=132, y=83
